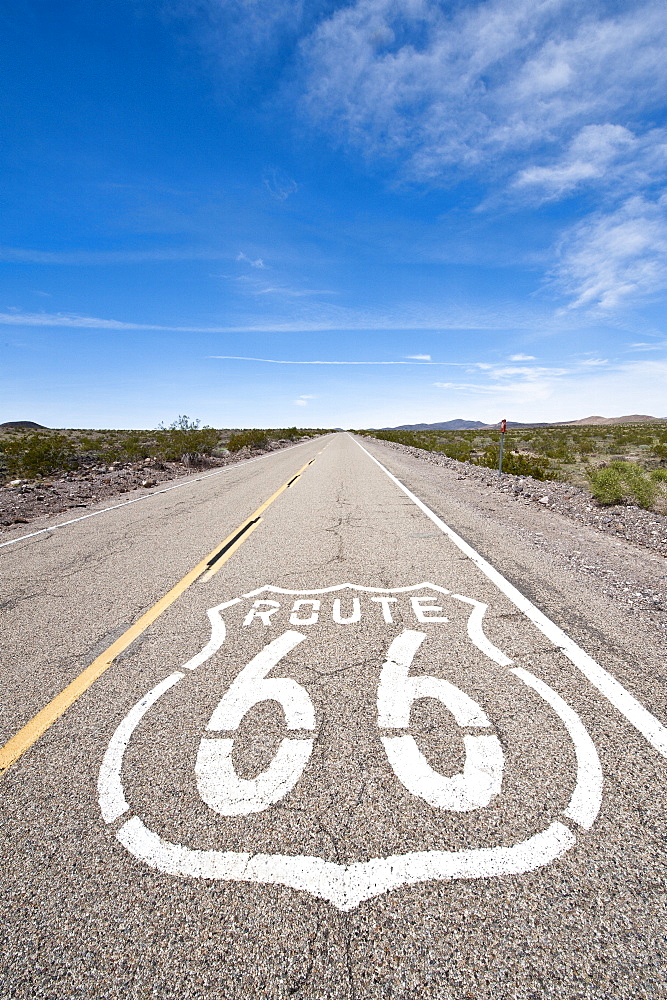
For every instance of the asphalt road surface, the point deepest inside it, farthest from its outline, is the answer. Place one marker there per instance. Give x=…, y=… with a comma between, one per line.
x=382, y=746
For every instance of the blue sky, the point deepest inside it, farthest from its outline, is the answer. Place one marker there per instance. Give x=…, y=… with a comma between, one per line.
x=460, y=207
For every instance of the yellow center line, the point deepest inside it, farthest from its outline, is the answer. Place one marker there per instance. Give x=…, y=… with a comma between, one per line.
x=37, y=726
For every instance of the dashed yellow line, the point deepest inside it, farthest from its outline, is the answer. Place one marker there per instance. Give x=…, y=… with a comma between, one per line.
x=37, y=726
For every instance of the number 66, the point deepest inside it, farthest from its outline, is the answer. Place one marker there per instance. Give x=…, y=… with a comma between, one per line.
x=221, y=788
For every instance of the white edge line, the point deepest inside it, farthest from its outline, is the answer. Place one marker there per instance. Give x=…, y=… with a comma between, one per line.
x=147, y=496
x=644, y=722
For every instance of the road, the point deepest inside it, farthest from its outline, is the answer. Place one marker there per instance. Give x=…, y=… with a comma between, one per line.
x=385, y=745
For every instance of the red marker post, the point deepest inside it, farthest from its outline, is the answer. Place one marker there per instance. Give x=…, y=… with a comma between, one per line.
x=503, y=431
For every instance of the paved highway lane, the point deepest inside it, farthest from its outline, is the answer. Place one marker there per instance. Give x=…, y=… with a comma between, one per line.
x=351, y=762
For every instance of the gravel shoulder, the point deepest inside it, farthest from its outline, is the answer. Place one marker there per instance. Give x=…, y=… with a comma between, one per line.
x=645, y=528
x=620, y=550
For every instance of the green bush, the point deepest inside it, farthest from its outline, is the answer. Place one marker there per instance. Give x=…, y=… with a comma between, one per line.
x=185, y=437
x=38, y=455
x=606, y=485
x=623, y=481
x=254, y=438
x=515, y=464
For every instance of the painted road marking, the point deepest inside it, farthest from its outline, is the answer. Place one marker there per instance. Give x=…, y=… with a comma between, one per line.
x=28, y=735
x=484, y=760
x=345, y=886
x=145, y=496
x=651, y=728
x=218, y=783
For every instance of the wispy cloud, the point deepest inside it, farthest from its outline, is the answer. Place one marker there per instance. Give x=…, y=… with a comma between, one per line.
x=72, y=321
x=609, y=258
x=258, y=262
x=455, y=87
x=20, y=255
x=279, y=185
x=303, y=400
x=314, y=318
x=244, y=36
x=419, y=357
x=293, y=293
x=522, y=357
x=561, y=393
x=608, y=156
x=660, y=346
x=277, y=361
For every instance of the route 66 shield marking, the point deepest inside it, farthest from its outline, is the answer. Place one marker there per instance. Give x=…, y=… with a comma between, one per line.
x=286, y=624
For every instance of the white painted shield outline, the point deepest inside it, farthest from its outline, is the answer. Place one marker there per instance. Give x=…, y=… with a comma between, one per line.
x=346, y=886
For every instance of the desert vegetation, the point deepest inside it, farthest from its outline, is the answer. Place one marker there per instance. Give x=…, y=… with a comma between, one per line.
x=618, y=463
x=30, y=454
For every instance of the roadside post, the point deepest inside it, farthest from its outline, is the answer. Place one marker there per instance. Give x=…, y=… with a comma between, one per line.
x=503, y=429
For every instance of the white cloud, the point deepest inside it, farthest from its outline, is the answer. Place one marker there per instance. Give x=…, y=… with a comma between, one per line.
x=552, y=394
x=609, y=258
x=293, y=293
x=300, y=402
x=447, y=88
x=418, y=357
x=259, y=263
x=244, y=35
x=522, y=357
x=282, y=361
x=71, y=321
x=609, y=156
x=87, y=258
x=279, y=185
x=331, y=320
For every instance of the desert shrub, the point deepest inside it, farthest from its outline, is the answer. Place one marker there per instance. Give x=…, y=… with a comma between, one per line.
x=659, y=475
x=641, y=487
x=133, y=447
x=185, y=437
x=253, y=438
x=606, y=485
x=287, y=433
x=515, y=464
x=38, y=455
x=460, y=450
x=623, y=481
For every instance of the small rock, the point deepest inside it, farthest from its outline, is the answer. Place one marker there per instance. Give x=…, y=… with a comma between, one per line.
x=543, y=500
x=148, y=483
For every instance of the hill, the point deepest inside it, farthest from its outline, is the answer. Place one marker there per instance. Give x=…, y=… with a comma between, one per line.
x=28, y=425
x=461, y=425
x=634, y=418
x=447, y=425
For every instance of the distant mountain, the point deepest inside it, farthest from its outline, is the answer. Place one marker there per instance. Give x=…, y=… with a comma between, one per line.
x=447, y=425
x=25, y=424
x=464, y=425
x=634, y=418
x=454, y=425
